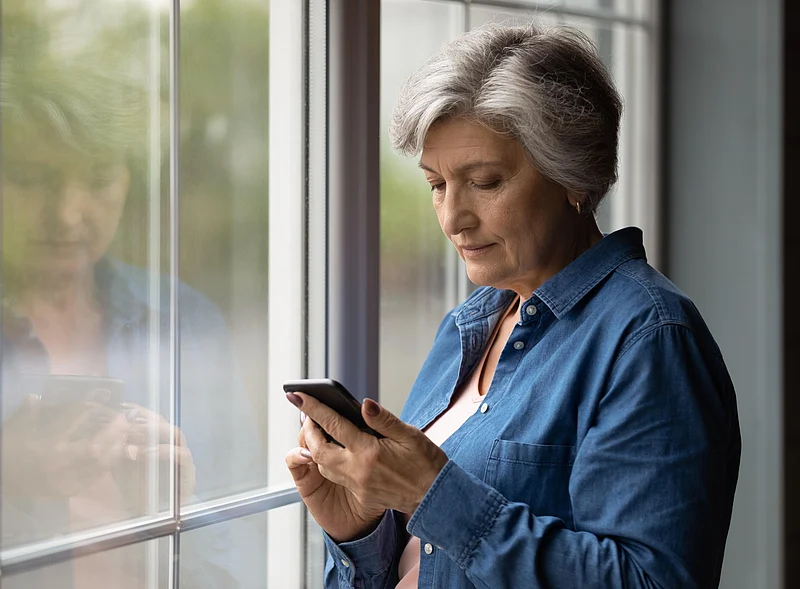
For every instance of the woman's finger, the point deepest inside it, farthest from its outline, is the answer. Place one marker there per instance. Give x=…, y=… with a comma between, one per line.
x=149, y=425
x=341, y=429
x=314, y=439
x=298, y=458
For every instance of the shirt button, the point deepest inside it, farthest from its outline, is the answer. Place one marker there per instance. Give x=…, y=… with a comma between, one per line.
x=530, y=310
x=345, y=563
x=484, y=407
x=518, y=345
x=428, y=549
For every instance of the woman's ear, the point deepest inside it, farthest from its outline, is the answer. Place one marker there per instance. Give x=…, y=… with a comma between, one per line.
x=576, y=199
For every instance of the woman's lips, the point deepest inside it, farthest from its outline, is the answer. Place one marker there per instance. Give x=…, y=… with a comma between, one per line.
x=475, y=252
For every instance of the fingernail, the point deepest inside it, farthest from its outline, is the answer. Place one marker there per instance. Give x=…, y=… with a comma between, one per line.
x=141, y=420
x=302, y=417
x=131, y=451
x=305, y=453
x=295, y=400
x=372, y=407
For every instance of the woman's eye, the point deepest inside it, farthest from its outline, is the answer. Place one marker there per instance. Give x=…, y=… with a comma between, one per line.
x=437, y=187
x=27, y=176
x=488, y=186
x=101, y=181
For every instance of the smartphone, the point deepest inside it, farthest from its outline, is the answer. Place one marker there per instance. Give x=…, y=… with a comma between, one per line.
x=56, y=391
x=66, y=399
x=335, y=396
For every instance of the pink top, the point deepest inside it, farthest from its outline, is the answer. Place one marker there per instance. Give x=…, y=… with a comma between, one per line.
x=465, y=402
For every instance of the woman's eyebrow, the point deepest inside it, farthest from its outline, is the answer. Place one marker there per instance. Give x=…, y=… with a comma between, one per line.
x=467, y=167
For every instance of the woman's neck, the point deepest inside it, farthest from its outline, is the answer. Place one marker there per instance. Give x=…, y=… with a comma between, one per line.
x=67, y=297
x=585, y=236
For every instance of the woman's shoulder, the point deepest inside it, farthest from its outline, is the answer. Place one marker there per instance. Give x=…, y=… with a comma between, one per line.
x=639, y=300
x=641, y=289
x=128, y=285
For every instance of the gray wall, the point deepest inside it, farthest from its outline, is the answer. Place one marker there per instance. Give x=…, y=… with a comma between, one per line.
x=724, y=237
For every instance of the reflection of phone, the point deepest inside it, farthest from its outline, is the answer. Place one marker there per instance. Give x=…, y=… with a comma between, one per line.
x=335, y=396
x=66, y=399
x=58, y=391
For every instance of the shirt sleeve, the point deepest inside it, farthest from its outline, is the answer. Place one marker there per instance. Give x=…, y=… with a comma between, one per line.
x=651, y=486
x=367, y=563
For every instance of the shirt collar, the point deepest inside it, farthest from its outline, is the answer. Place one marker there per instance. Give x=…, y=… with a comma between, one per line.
x=566, y=289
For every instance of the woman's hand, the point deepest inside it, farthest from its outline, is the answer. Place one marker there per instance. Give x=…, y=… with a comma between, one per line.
x=136, y=444
x=50, y=455
x=348, y=489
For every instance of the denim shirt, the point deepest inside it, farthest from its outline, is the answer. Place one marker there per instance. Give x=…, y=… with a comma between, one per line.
x=607, y=452
x=216, y=416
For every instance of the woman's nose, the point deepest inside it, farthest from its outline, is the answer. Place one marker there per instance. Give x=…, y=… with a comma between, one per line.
x=69, y=207
x=456, y=214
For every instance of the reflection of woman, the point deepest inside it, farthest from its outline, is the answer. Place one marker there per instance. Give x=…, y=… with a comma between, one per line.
x=69, y=135
x=580, y=427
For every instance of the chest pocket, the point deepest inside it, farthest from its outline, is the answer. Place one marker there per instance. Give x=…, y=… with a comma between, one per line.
x=535, y=474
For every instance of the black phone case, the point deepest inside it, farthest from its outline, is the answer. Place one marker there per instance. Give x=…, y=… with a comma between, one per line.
x=335, y=396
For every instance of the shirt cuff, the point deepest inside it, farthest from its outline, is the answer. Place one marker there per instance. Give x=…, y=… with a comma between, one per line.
x=371, y=555
x=455, y=513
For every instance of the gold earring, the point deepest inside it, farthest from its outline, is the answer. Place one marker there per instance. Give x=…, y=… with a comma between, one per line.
x=578, y=206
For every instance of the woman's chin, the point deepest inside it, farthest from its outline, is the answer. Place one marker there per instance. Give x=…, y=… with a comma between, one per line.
x=57, y=270
x=482, y=276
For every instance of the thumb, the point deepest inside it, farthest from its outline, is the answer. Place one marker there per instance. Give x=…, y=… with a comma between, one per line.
x=383, y=421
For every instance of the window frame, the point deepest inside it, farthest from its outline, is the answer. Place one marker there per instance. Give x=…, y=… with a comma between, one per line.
x=332, y=272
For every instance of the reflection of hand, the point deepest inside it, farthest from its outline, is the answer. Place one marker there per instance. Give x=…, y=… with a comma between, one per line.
x=46, y=455
x=347, y=488
x=137, y=448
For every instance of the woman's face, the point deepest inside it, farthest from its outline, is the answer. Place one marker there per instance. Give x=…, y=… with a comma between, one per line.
x=509, y=224
x=61, y=208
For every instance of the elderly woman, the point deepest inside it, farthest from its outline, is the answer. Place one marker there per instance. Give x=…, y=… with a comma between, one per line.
x=574, y=425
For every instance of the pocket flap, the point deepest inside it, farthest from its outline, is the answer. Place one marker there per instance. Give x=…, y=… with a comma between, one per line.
x=510, y=451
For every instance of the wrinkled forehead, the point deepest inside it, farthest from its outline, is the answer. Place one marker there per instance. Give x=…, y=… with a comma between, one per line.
x=468, y=143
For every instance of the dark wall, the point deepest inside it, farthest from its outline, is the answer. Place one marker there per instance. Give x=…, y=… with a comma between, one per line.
x=791, y=271
x=724, y=233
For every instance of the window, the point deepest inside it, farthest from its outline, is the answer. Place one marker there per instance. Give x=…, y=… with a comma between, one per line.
x=421, y=274
x=174, y=207
x=139, y=322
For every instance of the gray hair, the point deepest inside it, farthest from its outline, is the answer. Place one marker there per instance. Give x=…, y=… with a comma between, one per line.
x=546, y=87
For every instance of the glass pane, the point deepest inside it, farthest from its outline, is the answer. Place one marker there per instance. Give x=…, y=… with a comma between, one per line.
x=479, y=15
x=223, y=242
x=418, y=265
x=254, y=552
x=139, y=566
x=86, y=319
x=537, y=5
x=618, y=6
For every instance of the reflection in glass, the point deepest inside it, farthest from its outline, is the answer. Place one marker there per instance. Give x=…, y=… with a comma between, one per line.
x=139, y=566
x=88, y=342
x=86, y=434
x=418, y=265
x=223, y=247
